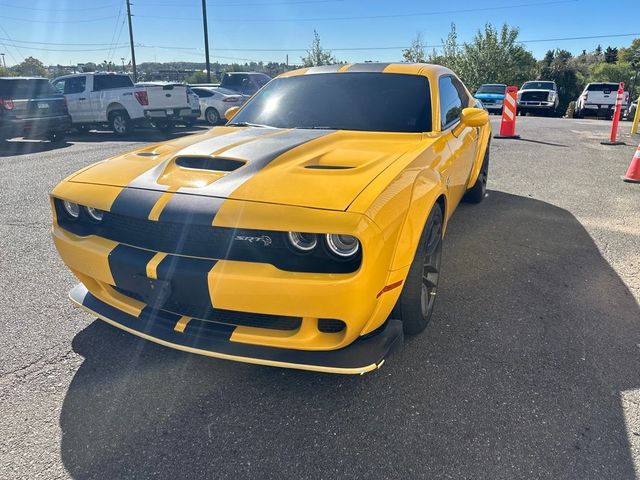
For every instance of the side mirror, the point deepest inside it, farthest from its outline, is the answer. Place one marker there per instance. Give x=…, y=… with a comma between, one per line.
x=230, y=113
x=474, y=117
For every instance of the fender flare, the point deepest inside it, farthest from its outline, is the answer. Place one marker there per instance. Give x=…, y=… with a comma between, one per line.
x=483, y=141
x=427, y=190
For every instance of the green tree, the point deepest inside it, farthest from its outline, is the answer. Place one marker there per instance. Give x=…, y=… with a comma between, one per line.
x=613, y=72
x=493, y=56
x=5, y=72
x=415, y=53
x=30, y=67
x=197, y=77
x=316, y=55
x=89, y=67
x=611, y=55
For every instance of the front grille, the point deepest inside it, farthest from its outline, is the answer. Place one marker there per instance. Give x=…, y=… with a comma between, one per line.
x=534, y=96
x=227, y=317
x=206, y=241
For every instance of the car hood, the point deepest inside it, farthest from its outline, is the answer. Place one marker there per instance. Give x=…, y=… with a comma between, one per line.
x=324, y=169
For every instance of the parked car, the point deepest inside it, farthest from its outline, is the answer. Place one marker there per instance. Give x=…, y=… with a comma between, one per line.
x=214, y=102
x=185, y=118
x=306, y=233
x=599, y=99
x=492, y=96
x=538, y=96
x=32, y=108
x=246, y=83
x=631, y=111
x=97, y=99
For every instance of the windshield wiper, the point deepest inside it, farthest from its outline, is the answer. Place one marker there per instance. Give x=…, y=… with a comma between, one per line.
x=247, y=124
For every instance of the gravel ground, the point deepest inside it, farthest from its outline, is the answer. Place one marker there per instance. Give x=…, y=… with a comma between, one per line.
x=530, y=368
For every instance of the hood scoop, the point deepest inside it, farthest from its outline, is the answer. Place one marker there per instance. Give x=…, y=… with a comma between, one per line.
x=328, y=167
x=213, y=164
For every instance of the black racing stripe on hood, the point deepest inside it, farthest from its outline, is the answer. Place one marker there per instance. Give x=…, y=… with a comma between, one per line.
x=191, y=209
x=257, y=154
x=135, y=202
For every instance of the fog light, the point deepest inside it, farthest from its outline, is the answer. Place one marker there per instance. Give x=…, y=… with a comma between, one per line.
x=95, y=214
x=303, y=241
x=73, y=209
x=343, y=245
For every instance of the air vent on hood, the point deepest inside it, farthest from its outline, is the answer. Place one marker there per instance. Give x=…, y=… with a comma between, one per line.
x=328, y=167
x=209, y=163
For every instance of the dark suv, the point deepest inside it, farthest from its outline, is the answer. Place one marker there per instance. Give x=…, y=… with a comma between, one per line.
x=32, y=108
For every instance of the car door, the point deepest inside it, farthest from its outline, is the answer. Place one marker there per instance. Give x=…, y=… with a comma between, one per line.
x=75, y=91
x=462, y=141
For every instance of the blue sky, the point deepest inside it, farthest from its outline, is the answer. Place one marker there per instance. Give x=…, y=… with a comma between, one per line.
x=239, y=29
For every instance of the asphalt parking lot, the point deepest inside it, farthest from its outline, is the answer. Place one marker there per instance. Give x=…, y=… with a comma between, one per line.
x=530, y=368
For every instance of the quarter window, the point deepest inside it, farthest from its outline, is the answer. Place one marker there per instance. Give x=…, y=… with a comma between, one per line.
x=451, y=104
x=75, y=85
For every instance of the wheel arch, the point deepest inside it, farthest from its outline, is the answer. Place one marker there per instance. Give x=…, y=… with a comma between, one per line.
x=114, y=107
x=484, y=142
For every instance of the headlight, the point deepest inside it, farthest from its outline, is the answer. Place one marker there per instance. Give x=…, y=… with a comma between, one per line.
x=95, y=214
x=73, y=209
x=552, y=96
x=343, y=245
x=303, y=241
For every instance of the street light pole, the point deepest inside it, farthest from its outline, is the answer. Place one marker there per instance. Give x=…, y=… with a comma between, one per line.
x=4, y=64
x=133, y=51
x=206, y=40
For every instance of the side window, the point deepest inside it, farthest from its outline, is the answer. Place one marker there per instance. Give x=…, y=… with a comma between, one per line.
x=106, y=82
x=75, y=85
x=462, y=93
x=450, y=102
x=202, y=93
x=59, y=85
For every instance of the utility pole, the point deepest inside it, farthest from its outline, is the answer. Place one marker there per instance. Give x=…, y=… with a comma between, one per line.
x=4, y=64
x=133, y=51
x=206, y=39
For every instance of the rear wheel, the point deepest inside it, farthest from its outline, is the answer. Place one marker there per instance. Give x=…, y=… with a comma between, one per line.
x=477, y=193
x=212, y=116
x=416, y=302
x=56, y=137
x=120, y=123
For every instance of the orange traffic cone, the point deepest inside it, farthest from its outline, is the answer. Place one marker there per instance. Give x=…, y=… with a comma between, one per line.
x=633, y=174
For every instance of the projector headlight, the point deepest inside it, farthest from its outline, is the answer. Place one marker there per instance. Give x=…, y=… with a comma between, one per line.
x=73, y=209
x=343, y=245
x=95, y=214
x=304, y=242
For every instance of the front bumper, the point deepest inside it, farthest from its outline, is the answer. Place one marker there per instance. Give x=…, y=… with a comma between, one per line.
x=536, y=105
x=213, y=340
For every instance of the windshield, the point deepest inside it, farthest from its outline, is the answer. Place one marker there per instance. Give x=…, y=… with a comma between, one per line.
x=601, y=87
x=496, y=89
x=383, y=102
x=538, y=86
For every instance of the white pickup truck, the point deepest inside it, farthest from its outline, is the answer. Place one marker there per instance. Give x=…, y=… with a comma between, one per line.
x=96, y=99
x=599, y=99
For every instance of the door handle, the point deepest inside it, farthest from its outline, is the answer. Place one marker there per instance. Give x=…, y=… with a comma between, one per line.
x=82, y=98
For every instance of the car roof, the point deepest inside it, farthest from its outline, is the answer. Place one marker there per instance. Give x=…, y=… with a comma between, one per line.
x=493, y=85
x=424, y=69
x=23, y=78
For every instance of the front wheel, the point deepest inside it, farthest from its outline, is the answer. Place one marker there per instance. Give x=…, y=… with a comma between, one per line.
x=479, y=190
x=415, y=305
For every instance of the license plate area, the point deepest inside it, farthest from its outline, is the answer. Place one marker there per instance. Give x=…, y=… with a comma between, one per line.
x=153, y=292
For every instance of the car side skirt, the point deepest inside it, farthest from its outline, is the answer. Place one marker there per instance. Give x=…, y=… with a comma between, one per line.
x=206, y=338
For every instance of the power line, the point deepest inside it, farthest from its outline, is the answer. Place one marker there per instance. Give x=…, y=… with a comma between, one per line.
x=21, y=7
x=373, y=17
x=84, y=20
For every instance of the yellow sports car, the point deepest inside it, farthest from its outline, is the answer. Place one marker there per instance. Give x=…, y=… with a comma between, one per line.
x=305, y=233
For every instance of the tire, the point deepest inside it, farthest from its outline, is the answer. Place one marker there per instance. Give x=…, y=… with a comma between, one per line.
x=415, y=305
x=120, y=123
x=212, y=116
x=479, y=190
x=56, y=137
